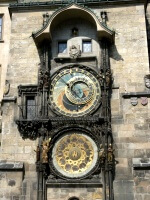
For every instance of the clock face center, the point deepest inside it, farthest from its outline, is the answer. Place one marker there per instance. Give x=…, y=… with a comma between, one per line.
x=74, y=153
x=80, y=90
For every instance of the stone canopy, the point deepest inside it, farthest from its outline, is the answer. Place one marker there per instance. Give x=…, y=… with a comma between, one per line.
x=69, y=12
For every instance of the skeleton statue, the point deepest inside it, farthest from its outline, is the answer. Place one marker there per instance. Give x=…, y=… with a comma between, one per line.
x=37, y=153
x=102, y=154
x=45, y=150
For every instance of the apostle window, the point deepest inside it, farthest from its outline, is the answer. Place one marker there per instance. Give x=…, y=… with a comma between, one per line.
x=86, y=46
x=62, y=47
x=1, y=26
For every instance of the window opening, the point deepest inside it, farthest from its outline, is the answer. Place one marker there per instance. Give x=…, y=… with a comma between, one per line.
x=62, y=47
x=30, y=107
x=1, y=24
x=86, y=46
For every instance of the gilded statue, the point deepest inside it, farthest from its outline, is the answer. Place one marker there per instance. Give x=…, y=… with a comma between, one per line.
x=110, y=153
x=45, y=149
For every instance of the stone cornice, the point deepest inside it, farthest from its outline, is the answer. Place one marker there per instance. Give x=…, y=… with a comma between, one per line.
x=55, y=4
x=135, y=94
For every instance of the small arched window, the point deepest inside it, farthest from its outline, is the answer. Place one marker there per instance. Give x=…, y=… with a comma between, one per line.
x=73, y=198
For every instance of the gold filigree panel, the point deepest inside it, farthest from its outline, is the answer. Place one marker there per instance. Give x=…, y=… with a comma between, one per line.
x=75, y=154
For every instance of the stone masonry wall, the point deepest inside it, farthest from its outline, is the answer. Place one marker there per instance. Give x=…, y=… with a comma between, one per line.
x=22, y=69
x=130, y=124
x=4, y=53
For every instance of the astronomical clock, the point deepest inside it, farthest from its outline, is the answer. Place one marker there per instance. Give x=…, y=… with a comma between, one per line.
x=75, y=95
x=75, y=92
x=69, y=109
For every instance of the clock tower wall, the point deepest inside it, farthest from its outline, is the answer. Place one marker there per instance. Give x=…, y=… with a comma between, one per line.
x=129, y=116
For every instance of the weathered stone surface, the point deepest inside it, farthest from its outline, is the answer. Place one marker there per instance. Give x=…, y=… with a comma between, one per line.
x=130, y=124
x=11, y=165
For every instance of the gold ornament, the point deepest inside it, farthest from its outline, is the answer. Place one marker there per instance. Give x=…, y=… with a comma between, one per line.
x=74, y=154
x=45, y=150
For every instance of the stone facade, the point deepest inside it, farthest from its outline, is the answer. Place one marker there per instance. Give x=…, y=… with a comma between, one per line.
x=129, y=62
x=4, y=43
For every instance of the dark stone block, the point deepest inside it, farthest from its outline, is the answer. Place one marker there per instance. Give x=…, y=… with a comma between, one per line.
x=11, y=165
x=2, y=175
x=11, y=183
x=117, y=121
x=16, y=198
x=128, y=186
x=139, y=153
x=119, y=196
x=34, y=186
x=24, y=188
x=123, y=153
x=118, y=187
x=32, y=167
x=147, y=197
x=138, y=197
x=129, y=197
x=139, y=173
x=91, y=190
x=139, y=127
x=148, y=153
x=22, y=198
x=139, y=189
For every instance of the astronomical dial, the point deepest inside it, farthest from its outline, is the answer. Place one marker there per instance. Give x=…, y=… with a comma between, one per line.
x=75, y=92
x=74, y=155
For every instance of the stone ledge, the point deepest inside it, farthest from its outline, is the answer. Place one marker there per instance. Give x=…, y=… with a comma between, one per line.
x=135, y=94
x=10, y=165
x=9, y=99
x=59, y=184
x=141, y=163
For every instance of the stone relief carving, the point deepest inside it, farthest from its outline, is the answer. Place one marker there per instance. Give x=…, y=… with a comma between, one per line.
x=74, y=51
x=134, y=101
x=7, y=88
x=147, y=80
x=43, y=79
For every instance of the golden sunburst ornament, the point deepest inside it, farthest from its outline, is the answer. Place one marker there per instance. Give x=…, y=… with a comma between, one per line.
x=75, y=155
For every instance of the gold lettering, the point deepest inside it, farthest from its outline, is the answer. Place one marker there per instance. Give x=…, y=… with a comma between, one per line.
x=75, y=154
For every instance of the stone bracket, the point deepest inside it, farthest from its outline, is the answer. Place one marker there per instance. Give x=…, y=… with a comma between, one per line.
x=9, y=99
